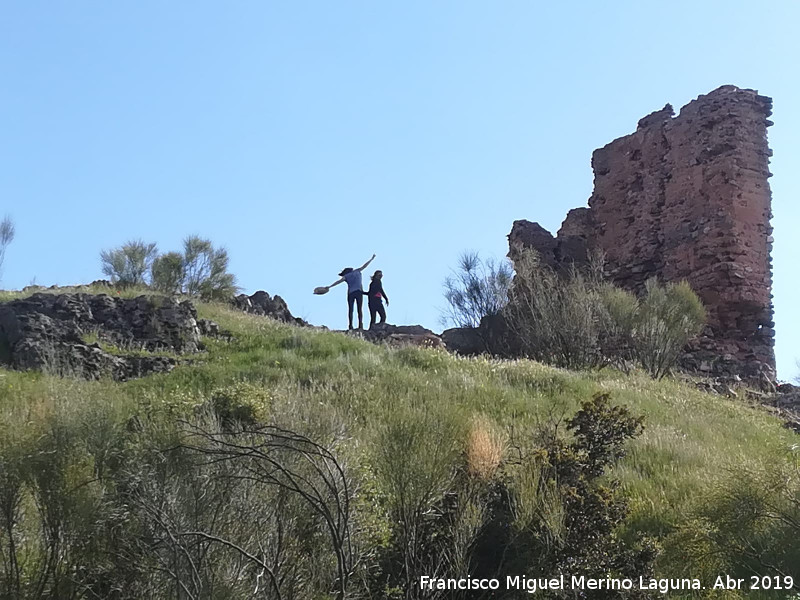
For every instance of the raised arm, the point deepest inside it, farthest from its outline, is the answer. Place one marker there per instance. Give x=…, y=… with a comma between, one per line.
x=337, y=282
x=366, y=264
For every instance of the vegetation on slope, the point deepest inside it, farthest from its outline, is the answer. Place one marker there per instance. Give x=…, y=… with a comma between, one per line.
x=693, y=478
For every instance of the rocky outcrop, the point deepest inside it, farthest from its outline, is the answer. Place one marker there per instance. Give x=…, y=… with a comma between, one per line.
x=686, y=197
x=261, y=303
x=786, y=402
x=400, y=335
x=464, y=340
x=66, y=334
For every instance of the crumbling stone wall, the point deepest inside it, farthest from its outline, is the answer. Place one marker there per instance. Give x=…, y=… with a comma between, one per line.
x=686, y=197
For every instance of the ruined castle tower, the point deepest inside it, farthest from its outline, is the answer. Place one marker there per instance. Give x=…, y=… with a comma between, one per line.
x=686, y=197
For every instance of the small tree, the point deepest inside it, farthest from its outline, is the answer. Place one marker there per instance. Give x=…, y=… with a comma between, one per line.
x=6, y=237
x=167, y=273
x=129, y=264
x=475, y=290
x=619, y=312
x=668, y=317
x=206, y=269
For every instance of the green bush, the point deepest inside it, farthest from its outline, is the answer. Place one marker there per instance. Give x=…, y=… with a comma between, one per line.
x=618, y=317
x=206, y=270
x=747, y=524
x=129, y=264
x=556, y=319
x=6, y=237
x=201, y=270
x=167, y=273
x=667, y=319
x=578, y=320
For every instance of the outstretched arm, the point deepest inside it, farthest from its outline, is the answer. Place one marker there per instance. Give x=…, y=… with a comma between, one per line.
x=366, y=264
x=337, y=282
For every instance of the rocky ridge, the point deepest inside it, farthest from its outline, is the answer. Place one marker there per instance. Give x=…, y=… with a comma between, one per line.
x=97, y=335
x=261, y=303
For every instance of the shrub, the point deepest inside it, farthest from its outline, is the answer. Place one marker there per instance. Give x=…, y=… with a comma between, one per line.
x=129, y=264
x=577, y=320
x=475, y=290
x=201, y=270
x=414, y=463
x=206, y=269
x=668, y=317
x=555, y=318
x=167, y=273
x=485, y=448
x=619, y=310
x=747, y=524
x=556, y=509
x=6, y=237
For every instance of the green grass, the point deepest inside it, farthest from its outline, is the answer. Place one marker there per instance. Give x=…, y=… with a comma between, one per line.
x=319, y=381
x=132, y=292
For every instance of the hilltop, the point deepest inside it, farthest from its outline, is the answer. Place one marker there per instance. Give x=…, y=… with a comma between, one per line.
x=84, y=441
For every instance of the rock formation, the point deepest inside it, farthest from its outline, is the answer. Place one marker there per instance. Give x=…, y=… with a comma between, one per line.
x=686, y=197
x=261, y=303
x=50, y=331
x=401, y=335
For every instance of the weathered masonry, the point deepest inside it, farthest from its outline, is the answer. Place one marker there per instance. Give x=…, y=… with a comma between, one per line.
x=686, y=197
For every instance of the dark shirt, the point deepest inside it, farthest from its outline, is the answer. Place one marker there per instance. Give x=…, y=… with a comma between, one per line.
x=376, y=292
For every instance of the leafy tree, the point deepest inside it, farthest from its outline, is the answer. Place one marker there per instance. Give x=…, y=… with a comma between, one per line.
x=206, y=269
x=6, y=237
x=129, y=264
x=167, y=273
x=476, y=289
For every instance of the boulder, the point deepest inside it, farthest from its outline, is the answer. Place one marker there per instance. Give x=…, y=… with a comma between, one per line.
x=463, y=340
x=261, y=303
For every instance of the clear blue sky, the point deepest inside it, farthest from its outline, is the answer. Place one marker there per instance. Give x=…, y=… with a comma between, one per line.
x=305, y=136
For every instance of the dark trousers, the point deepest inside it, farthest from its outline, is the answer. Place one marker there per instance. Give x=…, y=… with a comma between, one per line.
x=376, y=308
x=355, y=298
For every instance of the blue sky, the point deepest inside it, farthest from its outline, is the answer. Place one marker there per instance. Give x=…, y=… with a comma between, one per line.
x=304, y=136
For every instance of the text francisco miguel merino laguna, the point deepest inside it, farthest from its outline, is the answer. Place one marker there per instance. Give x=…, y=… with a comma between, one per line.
x=533, y=584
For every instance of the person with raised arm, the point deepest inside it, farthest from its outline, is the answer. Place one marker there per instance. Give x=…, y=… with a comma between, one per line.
x=355, y=291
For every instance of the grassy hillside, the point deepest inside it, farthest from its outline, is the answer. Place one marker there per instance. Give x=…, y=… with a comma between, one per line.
x=332, y=387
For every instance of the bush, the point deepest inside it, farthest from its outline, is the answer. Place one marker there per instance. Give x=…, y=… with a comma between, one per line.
x=475, y=290
x=6, y=237
x=556, y=319
x=129, y=264
x=201, y=270
x=555, y=508
x=206, y=270
x=668, y=317
x=167, y=273
x=748, y=524
x=577, y=320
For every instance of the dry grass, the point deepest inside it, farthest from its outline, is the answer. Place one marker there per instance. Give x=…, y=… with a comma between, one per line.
x=486, y=446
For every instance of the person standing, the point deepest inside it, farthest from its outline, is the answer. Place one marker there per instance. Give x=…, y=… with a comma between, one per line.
x=355, y=291
x=375, y=297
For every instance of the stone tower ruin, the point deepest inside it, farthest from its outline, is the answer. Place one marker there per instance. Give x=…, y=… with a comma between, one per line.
x=686, y=197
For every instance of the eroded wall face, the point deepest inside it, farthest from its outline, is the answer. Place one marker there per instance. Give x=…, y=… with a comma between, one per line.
x=687, y=197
